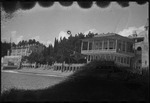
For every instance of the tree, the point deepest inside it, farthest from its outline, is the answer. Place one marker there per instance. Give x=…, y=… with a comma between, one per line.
x=38, y=58
x=33, y=57
x=30, y=41
x=90, y=35
x=24, y=58
x=4, y=48
x=55, y=46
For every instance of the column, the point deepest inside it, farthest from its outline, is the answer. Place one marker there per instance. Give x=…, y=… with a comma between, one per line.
x=88, y=46
x=125, y=46
x=116, y=45
x=8, y=53
x=87, y=59
x=81, y=45
x=102, y=44
x=21, y=51
x=107, y=44
x=90, y=57
x=93, y=46
x=121, y=45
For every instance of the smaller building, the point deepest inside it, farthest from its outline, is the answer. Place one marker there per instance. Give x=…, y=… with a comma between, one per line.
x=11, y=60
x=26, y=50
x=141, y=59
x=15, y=57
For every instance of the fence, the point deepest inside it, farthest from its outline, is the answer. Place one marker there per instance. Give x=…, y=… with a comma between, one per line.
x=28, y=65
x=67, y=67
x=56, y=66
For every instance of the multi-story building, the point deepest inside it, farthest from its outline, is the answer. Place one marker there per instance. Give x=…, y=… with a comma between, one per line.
x=132, y=51
x=141, y=59
x=18, y=52
x=26, y=50
x=109, y=46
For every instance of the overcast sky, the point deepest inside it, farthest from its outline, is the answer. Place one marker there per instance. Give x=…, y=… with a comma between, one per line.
x=44, y=24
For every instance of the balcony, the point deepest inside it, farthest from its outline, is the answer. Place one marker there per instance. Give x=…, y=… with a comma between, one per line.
x=98, y=51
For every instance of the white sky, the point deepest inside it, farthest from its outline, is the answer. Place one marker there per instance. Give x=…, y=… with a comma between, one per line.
x=44, y=24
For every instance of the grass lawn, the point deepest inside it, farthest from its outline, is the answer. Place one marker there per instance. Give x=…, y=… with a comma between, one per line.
x=97, y=81
x=27, y=81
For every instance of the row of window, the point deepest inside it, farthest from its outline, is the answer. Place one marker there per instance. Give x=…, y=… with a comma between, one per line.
x=20, y=50
x=111, y=44
x=124, y=46
x=123, y=60
x=18, y=54
x=99, y=45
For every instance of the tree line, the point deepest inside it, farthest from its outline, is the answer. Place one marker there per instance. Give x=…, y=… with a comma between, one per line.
x=64, y=50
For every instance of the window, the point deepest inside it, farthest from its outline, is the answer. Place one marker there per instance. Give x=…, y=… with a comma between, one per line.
x=111, y=44
x=139, y=39
x=90, y=46
x=139, y=49
x=85, y=45
x=128, y=60
x=105, y=44
x=125, y=60
x=89, y=58
x=145, y=62
x=96, y=57
x=96, y=45
x=119, y=45
x=139, y=61
x=100, y=45
x=121, y=59
x=123, y=46
x=129, y=47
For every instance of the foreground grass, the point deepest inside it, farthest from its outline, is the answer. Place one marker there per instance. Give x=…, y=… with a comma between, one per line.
x=95, y=82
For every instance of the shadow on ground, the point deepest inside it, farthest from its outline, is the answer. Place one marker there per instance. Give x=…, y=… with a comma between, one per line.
x=97, y=81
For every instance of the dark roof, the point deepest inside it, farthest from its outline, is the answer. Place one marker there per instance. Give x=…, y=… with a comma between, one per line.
x=109, y=36
x=104, y=35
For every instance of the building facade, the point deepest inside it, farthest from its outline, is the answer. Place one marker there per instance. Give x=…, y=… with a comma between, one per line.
x=14, y=57
x=109, y=46
x=132, y=51
x=26, y=50
x=141, y=59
